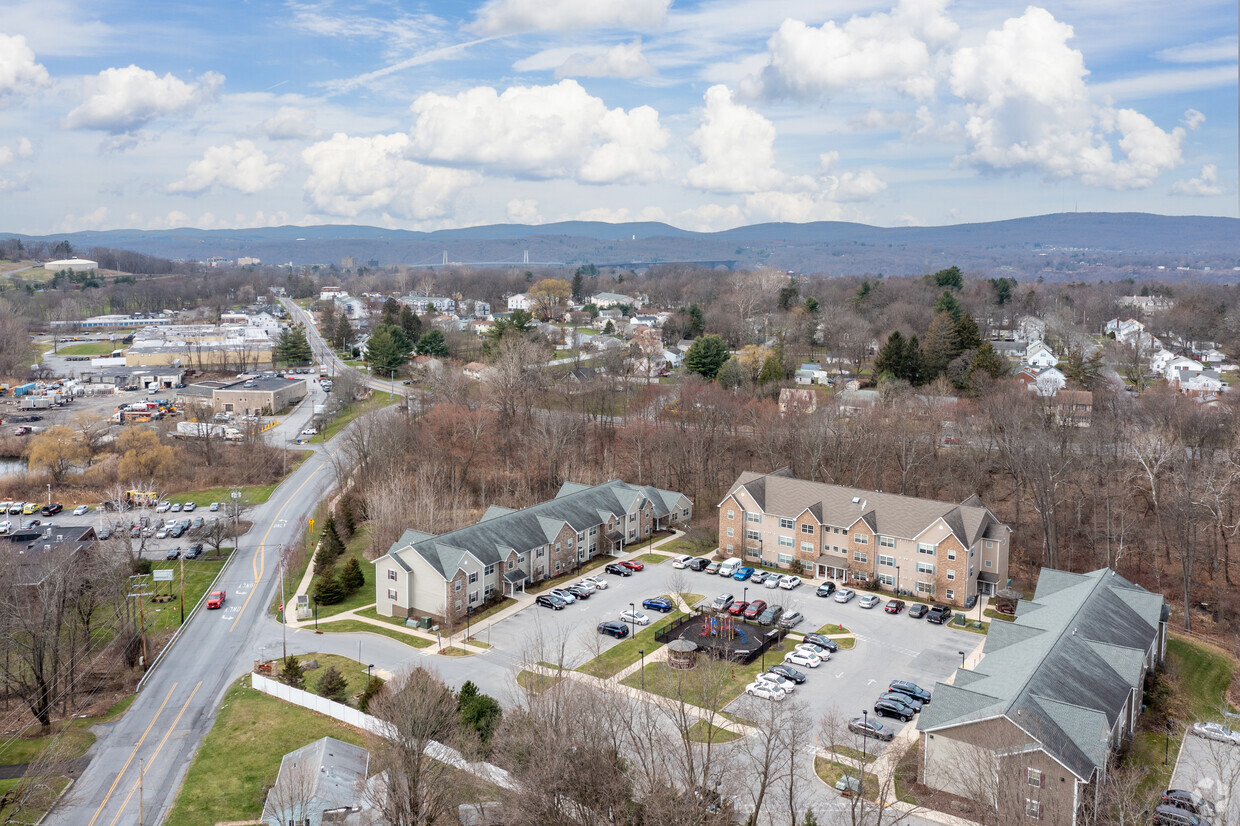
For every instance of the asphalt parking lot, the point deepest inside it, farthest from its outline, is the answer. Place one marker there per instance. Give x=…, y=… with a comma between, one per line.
x=1211, y=768
x=152, y=548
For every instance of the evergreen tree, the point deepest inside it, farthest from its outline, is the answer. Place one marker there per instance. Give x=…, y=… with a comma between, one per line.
x=948, y=303
x=862, y=293
x=914, y=363
x=810, y=818
x=966, y=329
x=891, y=357
x=609, y=328
x=772, y=370
x=344, y=333
x=333, y=685
x=482, y=714
x=469, y=690
x=699, y=325
x=291, y=673
x=1084, y=371
x=942, y=344
x=327, y=322
x=351, y=576
x=410, y=323
x=346, y=525
x=949, y=277
x=579, y=284
x=387, y=348
x=330, y=544
x=731, y=375
x=372, y=688
x=811, y=305
x=391, y=312
x=432, y=343
x=706, y=356
x=327, y=589
x=292, y=346
x=788, y=295
x=988, y=361
x=1003, y=289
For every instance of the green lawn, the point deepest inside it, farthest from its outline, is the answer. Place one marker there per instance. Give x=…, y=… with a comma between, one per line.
x=240, y=756
x=625, y=653
x=71, y=739
x=536, y=683
x=31, y=816
x=829, y=772
x=90, y=348
x=995, y=615
x=670, y=682
x=365, y=594
x=833, y=628
x=652, y=559
x=351, y=411
x=700, y=730
x=353, y=626
x=683, y=545
x=309, y=539
x=199, y=574
x=352, y=670
x=556, y=581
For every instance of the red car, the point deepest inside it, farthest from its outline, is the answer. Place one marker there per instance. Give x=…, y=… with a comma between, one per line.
x=894, y=606
x=632, y=564
x=755, y=609
x=737, y=608
x=215, y=599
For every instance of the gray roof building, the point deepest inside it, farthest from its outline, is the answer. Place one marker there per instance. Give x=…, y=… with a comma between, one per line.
x=324, y=782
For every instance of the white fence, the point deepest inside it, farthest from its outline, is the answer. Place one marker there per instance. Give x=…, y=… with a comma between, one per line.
x=357, y=719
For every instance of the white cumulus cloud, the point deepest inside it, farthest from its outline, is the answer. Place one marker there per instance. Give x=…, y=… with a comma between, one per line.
x=736, y=146
x=881, y=49
x=624, y=60
x=20, y=73
x=120, y=100
x=1202, y=186
x=540, y=132
x=1029, y=108
x=291, y=123
x=1193, y=119
x=241, y=166
x=507, y=16
x=350, y=176
x=523, y=211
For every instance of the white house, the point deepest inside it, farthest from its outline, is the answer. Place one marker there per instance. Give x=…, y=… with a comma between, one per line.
x=422, y=304
x=1030, y=329
x=519, y=301
x=1181, y=367
x=332, y=293
x=604, y=300
x=1049, y=381
x=1039, y=355
x=673, y=357
x=1206, y=382
x=1214, y=356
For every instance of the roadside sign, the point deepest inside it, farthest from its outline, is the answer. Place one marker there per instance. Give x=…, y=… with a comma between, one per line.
x=163, y=575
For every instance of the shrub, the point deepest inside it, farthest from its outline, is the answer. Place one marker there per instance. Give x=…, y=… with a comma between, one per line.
x=327, y=589
x=351, y=576
x=291, y=673
x=333, y=685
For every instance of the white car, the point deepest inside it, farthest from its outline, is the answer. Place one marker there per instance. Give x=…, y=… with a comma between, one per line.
x=81, y=510
x=590, y=587
x=766, y=691
x=813, y=650
x=162, y=533
x=1216, y=731
x=163, y=507
x=803, y=658
x=309, y=431
x=214, y=506
x=772, y=581
x=774, y=679
x=680, y=561
x=597, y=582
x=635, y=616
x=568, y=598
x=789, y=582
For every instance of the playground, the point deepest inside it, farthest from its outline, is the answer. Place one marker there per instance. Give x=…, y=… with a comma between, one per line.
x=721, y=635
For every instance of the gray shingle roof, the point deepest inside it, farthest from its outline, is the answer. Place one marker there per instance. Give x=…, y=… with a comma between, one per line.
x=888, y=514
x=502, y=530
x=332, y=768
x=1063, y=670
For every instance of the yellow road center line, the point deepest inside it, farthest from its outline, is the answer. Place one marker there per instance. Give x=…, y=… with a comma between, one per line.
x=155, y=754
x=132, y=754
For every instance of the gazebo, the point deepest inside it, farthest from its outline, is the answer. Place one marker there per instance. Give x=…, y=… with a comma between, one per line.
x=682, y=654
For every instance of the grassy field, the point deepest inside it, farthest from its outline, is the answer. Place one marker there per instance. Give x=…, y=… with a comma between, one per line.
x=353, y=626
x=352, y=670
x=199, y=574
x=536, y=683
x=652, y=559
x=89, y=348
x=701, y=729
x=833, y=628
x=365, y=595
x=684, y=545
x=351, y=411
x=830, y=772
x=623, y=654
x=661, y=679
x=995, y=615
x=240, y=756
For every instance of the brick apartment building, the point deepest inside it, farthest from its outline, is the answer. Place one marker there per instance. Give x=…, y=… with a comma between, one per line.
x=441, y=576
x=938, y=550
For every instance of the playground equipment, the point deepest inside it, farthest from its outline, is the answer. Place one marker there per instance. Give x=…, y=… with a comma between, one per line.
x=723, y=627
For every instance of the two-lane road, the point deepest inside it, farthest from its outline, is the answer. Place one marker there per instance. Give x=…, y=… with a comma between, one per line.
x=176, y=707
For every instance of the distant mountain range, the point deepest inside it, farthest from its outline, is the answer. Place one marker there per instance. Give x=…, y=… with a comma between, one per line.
x=1061, y=246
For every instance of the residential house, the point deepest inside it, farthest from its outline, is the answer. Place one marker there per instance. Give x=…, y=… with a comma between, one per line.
x=674, y=358
x=442, y=576
x=810, y=373
x=797, y=400
x=1205, y=383
x=1181, y=368
x=1039, y=355
x=1013, y=350
x=324, y=782
x=938, y=550
x=1071, y=408
x=1054, y=695
x=1160, y=359
x=1030, y=329
x=1213, y=356
x=332, y=293
x=519, y=301
x=1146, y=303
x=423, y=304
x=474, y=370
x=606, y=300
x=1048, y=381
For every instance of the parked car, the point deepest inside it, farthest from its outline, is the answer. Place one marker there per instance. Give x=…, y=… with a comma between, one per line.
x=176, y=507
x=1168, y=815
x=774, y=679
x=712, y=567
x=826, y=589
x=163, y=507
x=766, y=691
x=632, y=564
x=635, y=617
x=31, y=523
x=771, y=581
x=803, y=658
x=918, y=610
x=190, y=507
x=791, y=619
x=681, y=561
x=810, y=648
x=737, y=608
x=577, y=591
x=550, y=601
x=588, y=586
x=890, y=708
x=790, y=581
x=869, y=727
x=104, y=534
x=613, y=628
x=901, y=698
x=81, y=510
x=177, y=531
x=52, y=509
x=894, y=606
x=618, y=570
x=309, y=431
x=660, y=604
x=198, y=523
x=742, y=573
x=939, y=614
x=216, y=599
x=1216, y=731
x=759, y=577
x=568, y=597
x=868, y=601
x=597, y=582
x=698, y=563
x=788, y=672
x=844, y=594
x=722, y=602
x=194, y=551
x=771, y=615
x=215, y=506
x=911, y=689
x=1190, y=800
x=822, y=642
x=754, y=609
x=173, y=553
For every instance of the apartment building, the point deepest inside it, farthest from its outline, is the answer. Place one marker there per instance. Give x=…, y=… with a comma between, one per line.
x=937, y=550
x=444, y=575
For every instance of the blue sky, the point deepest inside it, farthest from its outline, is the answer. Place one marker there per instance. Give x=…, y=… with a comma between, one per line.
x=706, y=115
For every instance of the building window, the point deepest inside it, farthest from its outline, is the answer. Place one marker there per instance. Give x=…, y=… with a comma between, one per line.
x=924, y=548
x=786, y=524
x=951, y=553
x=558, y=565
x=785, y=559
x=989, y=564
x=751, y=553
x=581, y=537
x=755, y=535
x=860, y=557
x=685, y=513
x=581, y=556
x=970, y=572
x=593, y=531
x=951, y=595
x=889, y=561
x=731, y=532
x=458, y=585
x=887, y=579
x=951, y=574
x=490, y=570
x=521, y=559
x=473, y=597
x=807, y=547
x=861, y=539
x=392, y=574
x=807, y=529
x=1033, y=809
x=925, y=588
x=511, y=564
x=557, y=547
x=539, y=553
x=887, y=541
x=925, y=568
x=786, y=542
x=1034, y=777
x=392, y=594
x=989, y=544
x=473, y=577
x=458, y=605
x=731, y=514
x=755, y=518
x=487, y=591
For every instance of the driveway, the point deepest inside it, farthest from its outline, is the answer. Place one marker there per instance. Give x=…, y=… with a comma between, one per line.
x=1213, y=769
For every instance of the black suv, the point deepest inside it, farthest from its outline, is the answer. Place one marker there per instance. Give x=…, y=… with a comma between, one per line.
x=550, y=601
x=613, y=628
x=1167, y=815
x=891, y=708
x=194, y=551
x=698, y=563
x=911, y=689
x=1193, y=802
x=823, y=642
x=618, y=570
x=771, y=615
x=939, y=614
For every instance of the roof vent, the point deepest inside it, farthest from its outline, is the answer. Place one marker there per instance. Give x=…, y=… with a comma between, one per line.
x=856, y=499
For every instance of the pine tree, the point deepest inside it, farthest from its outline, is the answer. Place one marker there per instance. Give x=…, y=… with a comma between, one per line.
x=891, y=357
x=372, y=688
x=387, y=348
x=731, y=375
x=432, y=343
x=344, y=333
x=410, y=323
x=810, y=818
x=706, y=356
x=292, y=346
x=966, y=330
x=351, y=576
x=771, y=371
x=988, y=361
x=948, y=303
x=942, y=344
x=327, y=322
x=391, y=311
x=333, y=685
x=469, y=690
x=327, y=589
x=914, y=363
x=346, y=525
x=579, y=285
x=291, y=673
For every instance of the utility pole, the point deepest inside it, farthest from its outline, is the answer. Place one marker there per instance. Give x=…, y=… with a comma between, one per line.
x=182, y=558
x=141, y=773
x=138, y=591
x=283, y=605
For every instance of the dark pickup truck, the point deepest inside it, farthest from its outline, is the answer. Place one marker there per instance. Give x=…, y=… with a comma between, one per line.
x=939, y=614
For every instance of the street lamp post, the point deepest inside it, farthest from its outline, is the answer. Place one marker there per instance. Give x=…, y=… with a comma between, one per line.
x=865, y=735
x=469, y=609
x=633, y=617
x=961, y=653
x=1167, y=742
x=316, y=615
x=897, y=580
x=642, y=651
x=745, y=596
x=368, y=677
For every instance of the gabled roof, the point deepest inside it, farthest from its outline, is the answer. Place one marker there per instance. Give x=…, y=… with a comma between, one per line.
x=329, y=771
x=1063, y=670
x=888, y=514
x=501, y=530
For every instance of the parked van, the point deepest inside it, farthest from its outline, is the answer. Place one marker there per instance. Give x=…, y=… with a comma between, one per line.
x=729, y=567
